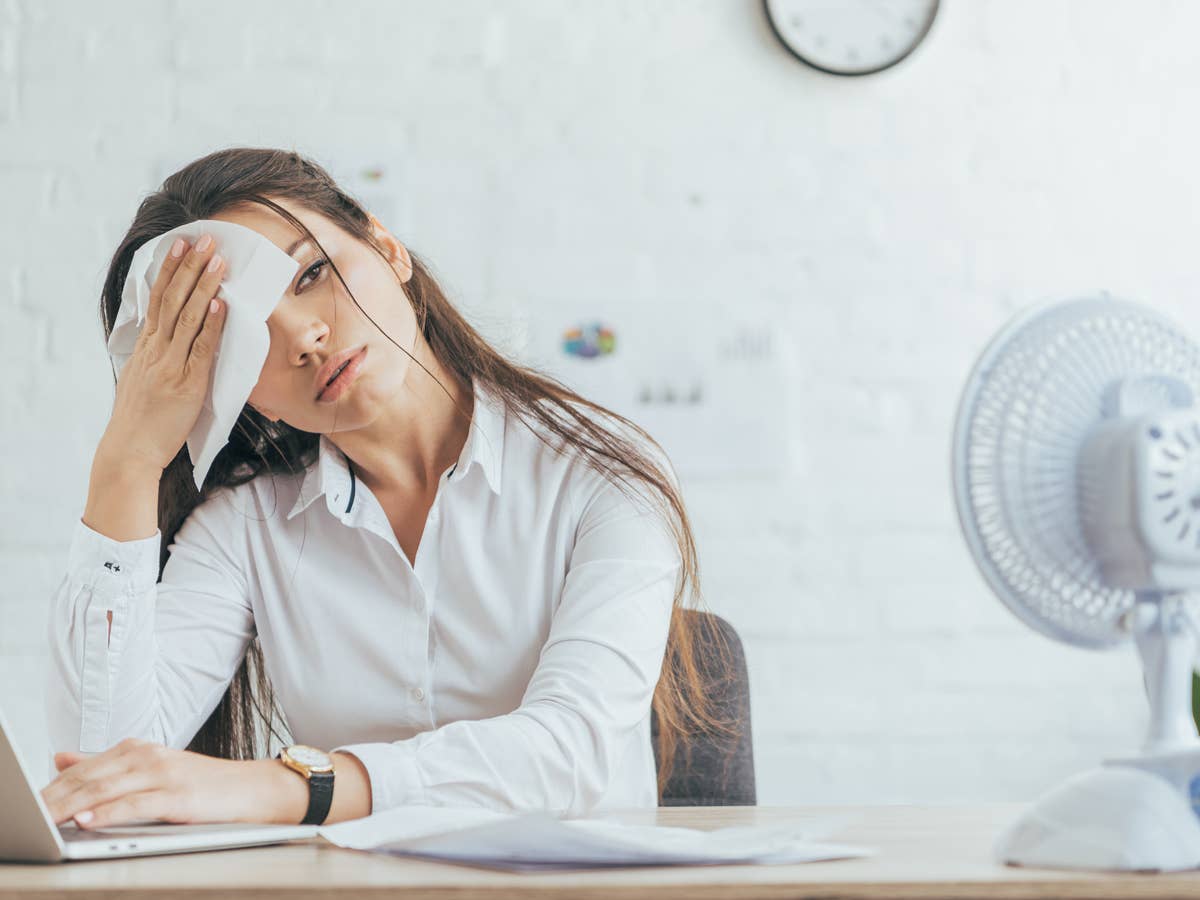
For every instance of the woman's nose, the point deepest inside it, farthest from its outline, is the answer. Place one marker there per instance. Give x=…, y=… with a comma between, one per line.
x=301, y=338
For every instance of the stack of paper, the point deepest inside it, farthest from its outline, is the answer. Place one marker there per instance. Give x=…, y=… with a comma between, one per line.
x=537, y=841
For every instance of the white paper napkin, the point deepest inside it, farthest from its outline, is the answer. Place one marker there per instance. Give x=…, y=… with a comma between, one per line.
x=256, y=275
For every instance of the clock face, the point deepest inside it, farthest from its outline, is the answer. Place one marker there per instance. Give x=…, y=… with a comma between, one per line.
x=851, y=37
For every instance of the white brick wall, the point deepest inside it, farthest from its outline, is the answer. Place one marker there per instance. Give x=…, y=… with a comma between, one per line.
x=667, y=150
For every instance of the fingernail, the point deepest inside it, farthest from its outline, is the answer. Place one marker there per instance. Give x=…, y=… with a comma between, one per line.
x=202, y=244
x=213, y=305
x=84, y=817
x=214, y=263
x=177, y=248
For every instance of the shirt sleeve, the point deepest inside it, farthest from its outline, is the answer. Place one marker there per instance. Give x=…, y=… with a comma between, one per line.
x=131, y=657
x=592, y=686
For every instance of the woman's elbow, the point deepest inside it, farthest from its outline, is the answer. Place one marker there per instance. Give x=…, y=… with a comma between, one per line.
x=580, y=764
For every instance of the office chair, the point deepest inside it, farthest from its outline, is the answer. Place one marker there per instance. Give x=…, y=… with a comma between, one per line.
x=713, y=768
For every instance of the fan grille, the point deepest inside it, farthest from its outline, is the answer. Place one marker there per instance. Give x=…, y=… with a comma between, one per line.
x=1030, y=402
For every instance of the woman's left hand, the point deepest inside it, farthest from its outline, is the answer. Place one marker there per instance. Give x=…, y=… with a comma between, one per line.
x=139, y=781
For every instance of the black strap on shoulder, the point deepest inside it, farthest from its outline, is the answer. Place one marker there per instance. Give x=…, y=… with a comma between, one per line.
x=353, y=480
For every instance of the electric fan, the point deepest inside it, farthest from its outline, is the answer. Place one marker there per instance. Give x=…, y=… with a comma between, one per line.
x=1076, y=466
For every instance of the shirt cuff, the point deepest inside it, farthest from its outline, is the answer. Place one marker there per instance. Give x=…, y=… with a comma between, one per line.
x=112, y=567
x=392, y=768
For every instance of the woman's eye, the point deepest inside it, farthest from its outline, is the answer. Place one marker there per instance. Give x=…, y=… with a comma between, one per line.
x=312, y=270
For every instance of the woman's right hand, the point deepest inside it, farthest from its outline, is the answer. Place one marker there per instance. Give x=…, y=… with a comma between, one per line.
x=161, y=388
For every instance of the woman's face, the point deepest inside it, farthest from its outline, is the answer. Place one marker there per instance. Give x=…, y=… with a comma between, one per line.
x=316, y=319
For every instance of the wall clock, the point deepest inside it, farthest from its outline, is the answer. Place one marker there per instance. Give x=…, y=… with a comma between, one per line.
x=850, y=37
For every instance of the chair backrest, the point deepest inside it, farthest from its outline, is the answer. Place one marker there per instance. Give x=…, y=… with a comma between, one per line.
x=712, y=768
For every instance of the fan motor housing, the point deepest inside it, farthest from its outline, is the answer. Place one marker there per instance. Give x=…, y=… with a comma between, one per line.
x=1139, y=500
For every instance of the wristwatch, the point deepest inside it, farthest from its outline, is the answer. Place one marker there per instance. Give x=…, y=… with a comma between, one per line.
x=317, y=768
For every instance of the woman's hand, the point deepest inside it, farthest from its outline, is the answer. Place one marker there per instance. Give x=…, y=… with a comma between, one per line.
x=139, y=781
x=161, y=388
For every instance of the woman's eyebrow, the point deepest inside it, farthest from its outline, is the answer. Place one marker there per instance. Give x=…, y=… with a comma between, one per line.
x=298, y=244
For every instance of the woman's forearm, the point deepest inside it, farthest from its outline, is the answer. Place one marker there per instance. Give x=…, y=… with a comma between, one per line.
x=277, y=794
x=351, y=789
x=173, y=785
x=122, y=500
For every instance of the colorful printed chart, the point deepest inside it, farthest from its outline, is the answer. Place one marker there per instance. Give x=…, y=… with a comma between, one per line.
x=589, y=340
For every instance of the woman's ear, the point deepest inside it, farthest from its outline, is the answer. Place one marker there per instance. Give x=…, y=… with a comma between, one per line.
x=396, y=251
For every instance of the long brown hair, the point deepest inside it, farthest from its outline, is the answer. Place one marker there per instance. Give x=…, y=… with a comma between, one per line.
x=258, y=445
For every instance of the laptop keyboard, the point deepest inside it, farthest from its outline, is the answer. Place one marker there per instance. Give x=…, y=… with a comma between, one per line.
x=79, y=835
x=158, y=830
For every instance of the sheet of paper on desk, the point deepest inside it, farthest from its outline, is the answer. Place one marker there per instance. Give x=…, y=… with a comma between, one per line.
x=406, y=823
x=539, y=841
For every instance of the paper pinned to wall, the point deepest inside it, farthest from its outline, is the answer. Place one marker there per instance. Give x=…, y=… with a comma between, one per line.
x=713, y=394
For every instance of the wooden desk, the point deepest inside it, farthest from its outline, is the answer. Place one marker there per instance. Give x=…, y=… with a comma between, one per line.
x=922, y=852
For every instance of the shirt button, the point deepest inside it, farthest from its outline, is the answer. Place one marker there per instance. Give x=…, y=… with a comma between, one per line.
x=418, y=694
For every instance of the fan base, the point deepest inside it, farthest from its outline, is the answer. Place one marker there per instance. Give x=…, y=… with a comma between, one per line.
x=1126, y=815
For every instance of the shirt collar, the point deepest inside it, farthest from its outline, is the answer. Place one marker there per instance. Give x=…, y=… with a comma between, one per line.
x=332, y=475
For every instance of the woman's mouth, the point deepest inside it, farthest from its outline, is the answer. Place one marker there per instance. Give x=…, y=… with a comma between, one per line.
x=344, y=377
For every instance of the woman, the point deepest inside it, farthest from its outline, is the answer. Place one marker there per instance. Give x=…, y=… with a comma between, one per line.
x=477, y=614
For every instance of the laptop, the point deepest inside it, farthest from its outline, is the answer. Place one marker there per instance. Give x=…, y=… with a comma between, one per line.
x=28, y=834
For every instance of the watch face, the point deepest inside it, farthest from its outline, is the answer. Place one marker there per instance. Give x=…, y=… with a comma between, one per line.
x=309, y=756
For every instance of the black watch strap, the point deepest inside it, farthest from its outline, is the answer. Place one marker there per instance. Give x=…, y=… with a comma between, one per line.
x=320, y=797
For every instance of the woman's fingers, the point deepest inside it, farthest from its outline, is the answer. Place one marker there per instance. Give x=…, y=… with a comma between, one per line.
x=148, y=805
x=128, y=767
x=195, y=312
x=104, y=791
x=204, y=347
x=97, y=790
x=66, y=758
x=74, y=776
x=178, y=292
x=166, y=272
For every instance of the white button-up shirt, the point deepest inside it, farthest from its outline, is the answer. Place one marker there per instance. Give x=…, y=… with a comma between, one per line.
x=512, y=666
